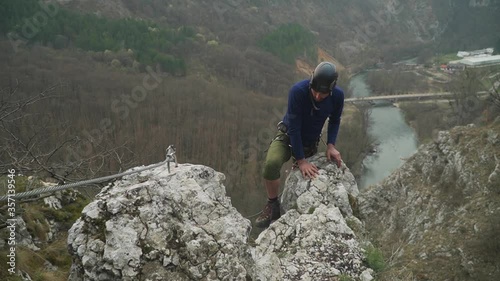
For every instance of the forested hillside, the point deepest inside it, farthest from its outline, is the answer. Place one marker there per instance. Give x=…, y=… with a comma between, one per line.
x=66, y=28
x=469, y=25
x=357, y=32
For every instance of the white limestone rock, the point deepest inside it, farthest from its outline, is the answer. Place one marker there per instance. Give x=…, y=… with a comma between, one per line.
x=312, y=240
x=157, y=225
x=332, y=186
x=23, y=237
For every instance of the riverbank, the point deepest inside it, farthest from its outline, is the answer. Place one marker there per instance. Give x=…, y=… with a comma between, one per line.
x=388, y=130
x=427, y=118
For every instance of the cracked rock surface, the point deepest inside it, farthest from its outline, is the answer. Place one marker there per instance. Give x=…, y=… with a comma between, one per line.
x=157, y=225
x=312, y=241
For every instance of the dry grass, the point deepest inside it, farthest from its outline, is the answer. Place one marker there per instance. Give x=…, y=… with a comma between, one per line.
x=33, y=263
x=36, y=222
x=57, y=253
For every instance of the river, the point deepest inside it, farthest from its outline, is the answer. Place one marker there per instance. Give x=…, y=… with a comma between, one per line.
x=394, y=138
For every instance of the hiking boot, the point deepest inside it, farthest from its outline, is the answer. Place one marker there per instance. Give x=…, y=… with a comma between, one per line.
x=270, y=213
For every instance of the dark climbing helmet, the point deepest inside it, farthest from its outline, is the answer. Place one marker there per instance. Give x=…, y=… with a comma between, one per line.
x=324, y=78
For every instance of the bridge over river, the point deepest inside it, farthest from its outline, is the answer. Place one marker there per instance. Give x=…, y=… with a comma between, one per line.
x=395, y=98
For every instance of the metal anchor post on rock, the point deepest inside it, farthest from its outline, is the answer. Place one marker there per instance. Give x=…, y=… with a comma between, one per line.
x=170, y=156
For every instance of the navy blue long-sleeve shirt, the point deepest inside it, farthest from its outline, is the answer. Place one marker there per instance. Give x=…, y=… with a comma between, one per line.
x=305, y=123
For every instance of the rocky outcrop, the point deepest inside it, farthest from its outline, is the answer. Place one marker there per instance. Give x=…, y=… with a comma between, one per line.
x=332, y=187
x=313, y=240
x=157, y=225
x=34, y=229
x=438, y=215
x=23, y=236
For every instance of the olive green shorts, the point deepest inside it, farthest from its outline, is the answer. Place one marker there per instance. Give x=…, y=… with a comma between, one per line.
x=279, y=153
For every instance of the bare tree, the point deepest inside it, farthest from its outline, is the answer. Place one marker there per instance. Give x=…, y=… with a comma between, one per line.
x=32, y=145
x=11, y=104
x=466, y=103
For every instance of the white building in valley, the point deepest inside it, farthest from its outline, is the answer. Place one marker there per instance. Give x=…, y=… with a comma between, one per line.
x=480, y=61
x=476, y=53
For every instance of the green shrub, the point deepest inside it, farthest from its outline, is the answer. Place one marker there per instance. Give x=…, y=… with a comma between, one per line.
x=344, y=277
x=290, y=41
x=375, y=259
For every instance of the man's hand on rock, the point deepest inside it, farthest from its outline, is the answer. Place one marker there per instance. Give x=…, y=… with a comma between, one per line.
x=332, y=154
x=308, y=170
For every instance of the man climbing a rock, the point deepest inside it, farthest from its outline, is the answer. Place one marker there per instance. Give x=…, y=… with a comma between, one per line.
x=310, y=103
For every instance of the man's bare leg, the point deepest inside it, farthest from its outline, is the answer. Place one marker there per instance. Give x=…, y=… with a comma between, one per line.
x=272, y=188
